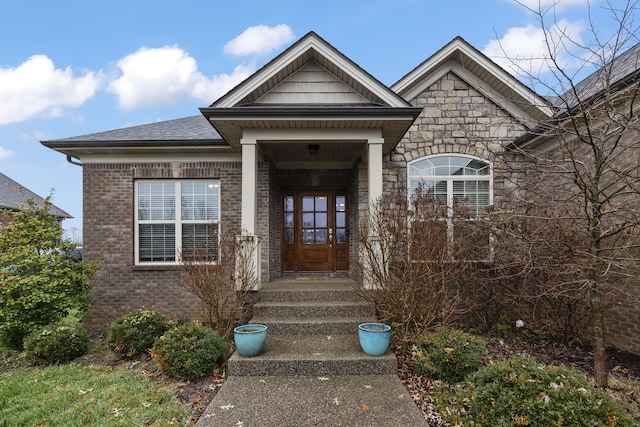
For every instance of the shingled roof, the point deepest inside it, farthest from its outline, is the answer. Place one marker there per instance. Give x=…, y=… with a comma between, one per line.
x=14, y=196
x=193, y=128
x=618, y=73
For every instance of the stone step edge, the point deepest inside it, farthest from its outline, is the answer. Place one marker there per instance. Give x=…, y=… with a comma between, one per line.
x=313, y=321
x=311, y=303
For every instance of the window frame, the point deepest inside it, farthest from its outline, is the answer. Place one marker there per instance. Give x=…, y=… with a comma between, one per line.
x=449, y=179
x=177, y=220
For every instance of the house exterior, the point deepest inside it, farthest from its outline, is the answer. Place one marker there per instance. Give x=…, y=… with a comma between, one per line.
x=14, y=196
x=294, y=159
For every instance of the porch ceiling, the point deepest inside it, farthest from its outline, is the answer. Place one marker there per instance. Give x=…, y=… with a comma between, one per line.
x=330, y=155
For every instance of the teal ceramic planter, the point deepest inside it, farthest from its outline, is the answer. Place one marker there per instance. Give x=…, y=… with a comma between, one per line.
x=250, y=339
x=374, y=338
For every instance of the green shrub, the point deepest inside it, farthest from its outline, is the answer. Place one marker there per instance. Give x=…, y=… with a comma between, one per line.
x=522, y=392
x=134, y=333
x=40, y=281
x=448, y=354
x=189, y=351
x=56, y=344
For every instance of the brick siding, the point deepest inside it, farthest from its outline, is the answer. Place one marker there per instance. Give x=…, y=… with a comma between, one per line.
x=120, y=286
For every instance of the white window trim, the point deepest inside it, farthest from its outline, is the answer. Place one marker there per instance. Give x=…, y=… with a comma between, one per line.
x=176, y=221
x=449, y=179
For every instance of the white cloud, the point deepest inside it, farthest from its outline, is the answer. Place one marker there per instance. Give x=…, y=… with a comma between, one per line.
x=209, y=90
x=260, y=39
x=5, y=153
x=161, y=76
x=149, y=77
x=36, y=86
x=524, y=50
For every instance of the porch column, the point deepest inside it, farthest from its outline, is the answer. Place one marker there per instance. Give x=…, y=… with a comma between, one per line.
x=249, y=194
x=375, y=171
x=374, y=167
x=249, y=257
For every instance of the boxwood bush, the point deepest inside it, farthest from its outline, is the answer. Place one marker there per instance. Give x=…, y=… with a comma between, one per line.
x=56, y=344
x=134, y=333
x=448, y=354
x=189, y=351
x=522, y=392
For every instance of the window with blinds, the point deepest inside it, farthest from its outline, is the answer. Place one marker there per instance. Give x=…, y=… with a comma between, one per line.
x=176, y=219
x=455, y=182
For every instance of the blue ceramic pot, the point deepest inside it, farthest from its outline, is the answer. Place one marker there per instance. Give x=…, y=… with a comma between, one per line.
x=374, y=338
x=250, y=339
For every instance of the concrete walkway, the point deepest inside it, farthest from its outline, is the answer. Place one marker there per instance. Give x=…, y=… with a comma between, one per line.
x=312, y=371
x=331, y=401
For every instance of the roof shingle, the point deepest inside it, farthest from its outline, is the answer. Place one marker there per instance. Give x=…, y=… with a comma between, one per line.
x=186, y=128
x=14, y=196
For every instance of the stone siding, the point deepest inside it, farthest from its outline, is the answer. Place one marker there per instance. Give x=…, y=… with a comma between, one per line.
x=456, y=119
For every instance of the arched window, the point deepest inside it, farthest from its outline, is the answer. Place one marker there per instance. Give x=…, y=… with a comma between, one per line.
x=455, y=180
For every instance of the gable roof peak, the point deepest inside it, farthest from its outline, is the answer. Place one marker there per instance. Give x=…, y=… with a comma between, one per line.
x=479, y=71
x=311, y=47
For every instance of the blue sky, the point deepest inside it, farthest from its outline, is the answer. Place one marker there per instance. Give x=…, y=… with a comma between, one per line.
x=74, y=67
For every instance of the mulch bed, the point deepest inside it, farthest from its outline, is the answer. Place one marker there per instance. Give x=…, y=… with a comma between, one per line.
x=199, y=393
x=622, y=366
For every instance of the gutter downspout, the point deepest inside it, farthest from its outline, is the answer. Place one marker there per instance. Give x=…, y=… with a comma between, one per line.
x=73, y=162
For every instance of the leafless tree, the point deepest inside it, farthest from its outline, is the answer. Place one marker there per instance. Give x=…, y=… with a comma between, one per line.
x=221, y=274
x=408, y=272
x=575, y=222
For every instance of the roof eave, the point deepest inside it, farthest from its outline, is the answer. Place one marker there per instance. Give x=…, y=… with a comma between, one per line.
x=77, y=147
x=315, y=44
x=401, y=117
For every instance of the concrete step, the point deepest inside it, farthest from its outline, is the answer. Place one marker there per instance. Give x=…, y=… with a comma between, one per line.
x=312, y=325
x=292, y=290
x=312, y=355
x=279, y=309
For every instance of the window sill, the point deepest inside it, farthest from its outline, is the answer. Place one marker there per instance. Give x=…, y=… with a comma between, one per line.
x=159, y=267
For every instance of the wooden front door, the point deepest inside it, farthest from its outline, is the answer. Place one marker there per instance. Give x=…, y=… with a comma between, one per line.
x=315, y=230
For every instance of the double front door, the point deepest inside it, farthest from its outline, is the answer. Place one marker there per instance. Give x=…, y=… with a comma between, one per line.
x=315, y=231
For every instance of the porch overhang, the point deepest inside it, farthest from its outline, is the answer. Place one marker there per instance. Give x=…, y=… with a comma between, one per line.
x=391, y=122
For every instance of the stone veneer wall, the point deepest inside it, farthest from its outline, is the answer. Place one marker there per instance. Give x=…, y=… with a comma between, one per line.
x=456, y=119
x=120, y=286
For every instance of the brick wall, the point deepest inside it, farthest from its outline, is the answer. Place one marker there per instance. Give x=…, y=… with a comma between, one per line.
x=275, y=212
x=120, y=286
x=552, y=178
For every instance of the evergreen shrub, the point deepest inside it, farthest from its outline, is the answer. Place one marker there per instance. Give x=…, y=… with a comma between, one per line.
x=55, y=344
x=522, y=392
x=189, y=351
x=134, y=333
x=448, y=354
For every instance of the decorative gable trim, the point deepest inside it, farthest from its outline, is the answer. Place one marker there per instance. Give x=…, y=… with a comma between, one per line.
x=480, y=72
x=310, y=48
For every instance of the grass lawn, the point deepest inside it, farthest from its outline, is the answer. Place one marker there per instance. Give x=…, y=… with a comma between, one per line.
x=73, y=395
